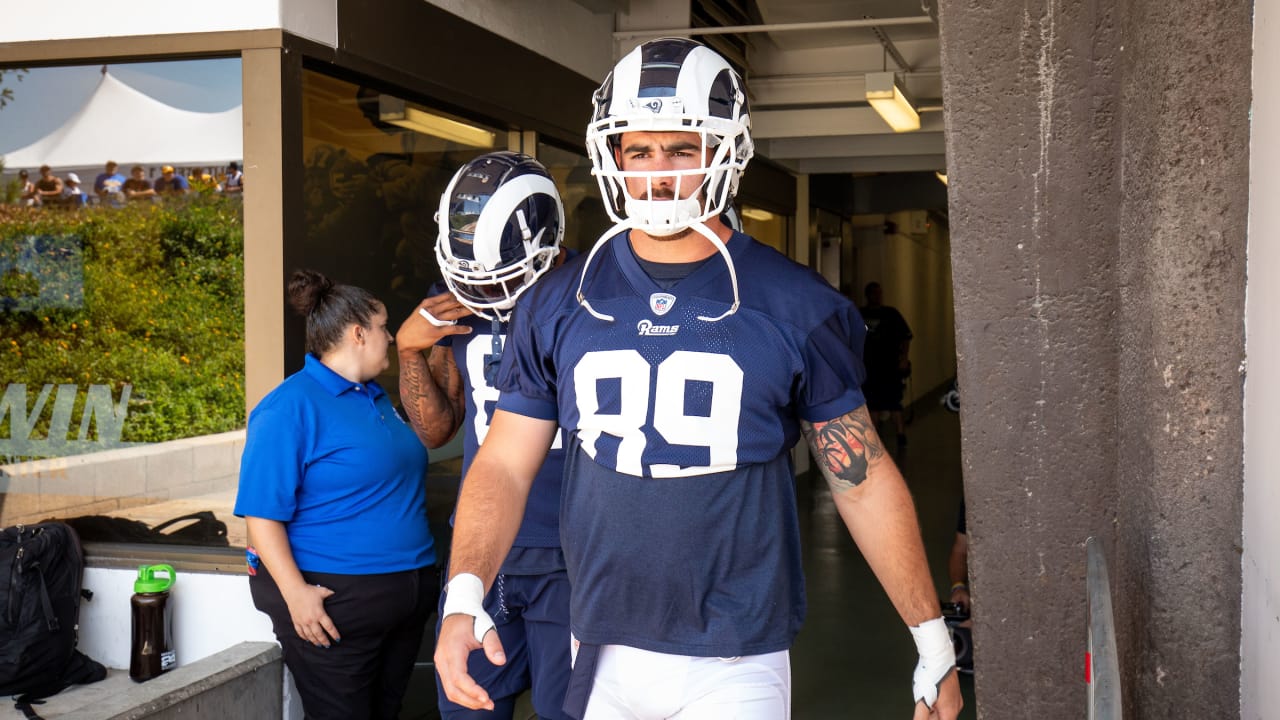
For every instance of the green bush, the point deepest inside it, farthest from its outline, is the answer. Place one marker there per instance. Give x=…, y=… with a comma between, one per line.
x=150, y=296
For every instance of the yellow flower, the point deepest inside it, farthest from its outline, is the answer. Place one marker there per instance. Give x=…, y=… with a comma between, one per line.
x=184, y=359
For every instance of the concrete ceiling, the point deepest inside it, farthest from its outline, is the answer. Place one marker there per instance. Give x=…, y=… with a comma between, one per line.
x=809, y=111
x=807, y=91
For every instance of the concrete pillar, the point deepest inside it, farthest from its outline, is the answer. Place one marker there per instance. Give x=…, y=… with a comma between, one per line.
x=1181, y=275
x=263, y=88
x=1098, y=167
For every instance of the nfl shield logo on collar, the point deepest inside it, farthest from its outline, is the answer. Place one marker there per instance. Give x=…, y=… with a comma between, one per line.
x=661, y=303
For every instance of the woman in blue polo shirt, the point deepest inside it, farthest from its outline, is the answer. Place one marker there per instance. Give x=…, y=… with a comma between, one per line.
x=332, y=491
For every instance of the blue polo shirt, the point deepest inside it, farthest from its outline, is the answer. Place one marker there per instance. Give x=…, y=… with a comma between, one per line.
x=336, y=463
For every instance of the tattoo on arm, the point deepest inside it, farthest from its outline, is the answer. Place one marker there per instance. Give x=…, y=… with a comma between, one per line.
x=425, y=400
x=845, y=448
x=449, y=379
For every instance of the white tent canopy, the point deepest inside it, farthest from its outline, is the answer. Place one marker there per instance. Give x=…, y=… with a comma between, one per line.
x=122, y=124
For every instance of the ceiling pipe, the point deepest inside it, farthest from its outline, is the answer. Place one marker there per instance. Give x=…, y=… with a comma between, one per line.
x=842, y=75
x=777, y=27
x=890, y=49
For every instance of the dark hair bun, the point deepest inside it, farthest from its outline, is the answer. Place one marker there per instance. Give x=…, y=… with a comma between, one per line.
x=306, y=289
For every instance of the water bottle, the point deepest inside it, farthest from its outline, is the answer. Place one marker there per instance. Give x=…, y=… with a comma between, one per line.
x=152, y=652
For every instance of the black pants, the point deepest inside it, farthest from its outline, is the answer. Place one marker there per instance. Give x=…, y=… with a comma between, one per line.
x=381, y=620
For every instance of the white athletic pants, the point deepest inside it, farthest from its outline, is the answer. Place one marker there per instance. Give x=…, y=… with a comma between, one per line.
x=634, y=684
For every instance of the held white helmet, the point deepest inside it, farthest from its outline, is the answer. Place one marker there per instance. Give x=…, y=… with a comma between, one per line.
x=671, y=85
x=501, y=222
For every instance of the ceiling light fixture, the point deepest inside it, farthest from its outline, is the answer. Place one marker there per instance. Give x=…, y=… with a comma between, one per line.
x=885, y=96
x=757, y=214
x=410, y=117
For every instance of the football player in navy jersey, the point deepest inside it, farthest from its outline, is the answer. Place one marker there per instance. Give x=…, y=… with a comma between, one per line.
x=501, y=222
x=684, y=360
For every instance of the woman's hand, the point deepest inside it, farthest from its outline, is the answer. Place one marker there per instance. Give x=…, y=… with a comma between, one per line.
x=310, y=621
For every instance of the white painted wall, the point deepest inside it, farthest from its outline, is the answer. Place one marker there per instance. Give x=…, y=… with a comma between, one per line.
x=560, y=30
x=1260, y=609
x=26, y=22
x=211, y=612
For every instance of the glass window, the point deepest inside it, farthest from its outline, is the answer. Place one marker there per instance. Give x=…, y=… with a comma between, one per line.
x=375, y=165
x=122, y=303
x=769, y=228
x=584, y=213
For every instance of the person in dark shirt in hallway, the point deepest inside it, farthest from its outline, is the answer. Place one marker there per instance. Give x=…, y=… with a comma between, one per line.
x=887, y=358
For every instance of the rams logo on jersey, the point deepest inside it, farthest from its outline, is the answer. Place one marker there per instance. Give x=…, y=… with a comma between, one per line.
x=646, y=327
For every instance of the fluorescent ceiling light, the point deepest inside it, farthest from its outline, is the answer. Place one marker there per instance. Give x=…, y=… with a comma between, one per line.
x=410, y=117
x=757, y=214
x=887, y=99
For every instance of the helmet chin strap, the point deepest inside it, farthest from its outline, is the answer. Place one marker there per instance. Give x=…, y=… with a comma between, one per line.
x=701, y=228
x=600, y=242
x=733, y=273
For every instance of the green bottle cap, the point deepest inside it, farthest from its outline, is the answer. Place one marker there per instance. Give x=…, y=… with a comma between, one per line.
x=148, y=583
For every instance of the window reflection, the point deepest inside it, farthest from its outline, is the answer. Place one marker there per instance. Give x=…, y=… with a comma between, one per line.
x=585, y=216
x=371, y=189
x=767, y=227
x=122, y=366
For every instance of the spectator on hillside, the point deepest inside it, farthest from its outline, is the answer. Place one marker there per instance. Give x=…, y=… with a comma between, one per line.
x=234, y=182
x=203, y=182
x=72, y=194
x=109, y=185
x=48, y=187
x=27, y=193
x=171, y=183
x=138, y=188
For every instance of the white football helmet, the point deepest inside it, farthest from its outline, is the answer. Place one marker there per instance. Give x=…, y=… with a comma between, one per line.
x=671, y=85
x=500, y=226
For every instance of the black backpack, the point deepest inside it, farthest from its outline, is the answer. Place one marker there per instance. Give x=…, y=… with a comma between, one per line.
x=41, y=569
x=204, y=529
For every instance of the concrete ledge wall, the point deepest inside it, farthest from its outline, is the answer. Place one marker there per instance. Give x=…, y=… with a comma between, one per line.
x=243, y=681
x=210, y=611
x=101, y=482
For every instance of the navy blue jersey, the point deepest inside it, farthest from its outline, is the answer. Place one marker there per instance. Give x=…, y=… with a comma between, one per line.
x=678, y=517
x=541, y=525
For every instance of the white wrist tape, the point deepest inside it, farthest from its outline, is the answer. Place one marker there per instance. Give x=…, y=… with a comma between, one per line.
x=937, y=658
x=464, y=595
x=435, y=320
